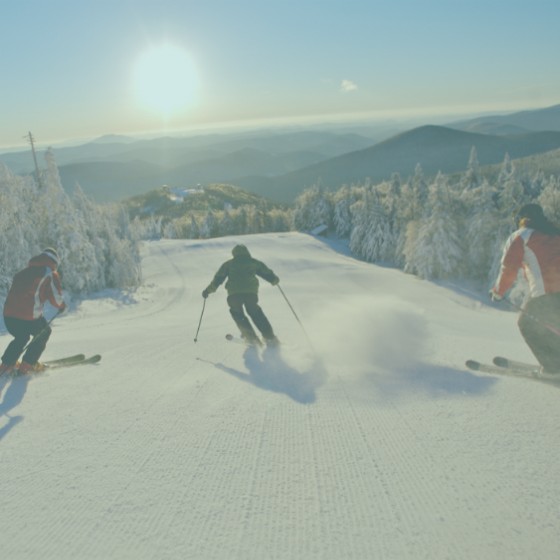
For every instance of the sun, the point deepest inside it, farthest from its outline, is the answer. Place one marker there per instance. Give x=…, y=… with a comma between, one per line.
x=165, y=80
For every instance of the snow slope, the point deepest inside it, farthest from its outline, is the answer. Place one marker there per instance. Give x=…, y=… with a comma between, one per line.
x=363, y=437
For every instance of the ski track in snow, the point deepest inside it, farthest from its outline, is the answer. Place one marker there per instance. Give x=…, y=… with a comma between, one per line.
x=170, y=449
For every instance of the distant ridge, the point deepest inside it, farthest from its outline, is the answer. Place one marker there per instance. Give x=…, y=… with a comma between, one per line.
x=435, y=148
x=533, y=120
x=113, y=139
x=280, y=163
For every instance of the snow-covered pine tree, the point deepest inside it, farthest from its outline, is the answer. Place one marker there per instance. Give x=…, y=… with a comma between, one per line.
x=360, y=211
x=411, y=210
x=481, y=233
x=313, y=208
x=439, y=252
x=378, y=243
x=18, y=236
x=209, y=226
x=549, y=199
x=471, y=178
x=342, y=215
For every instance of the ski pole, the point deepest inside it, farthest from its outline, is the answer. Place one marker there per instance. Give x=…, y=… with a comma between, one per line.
x=200, y=320
x=552, y=329
x=42, y=331
x=295, y=315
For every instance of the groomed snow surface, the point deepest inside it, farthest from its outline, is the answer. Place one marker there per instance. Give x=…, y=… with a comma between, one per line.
x=362, y=437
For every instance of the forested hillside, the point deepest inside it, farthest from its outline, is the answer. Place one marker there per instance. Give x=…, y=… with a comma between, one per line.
x=210, y=211
x=447, y=227
x=439, y=227
x=97, y=247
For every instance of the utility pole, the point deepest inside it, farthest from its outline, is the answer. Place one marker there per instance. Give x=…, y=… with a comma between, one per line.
x=37, y=175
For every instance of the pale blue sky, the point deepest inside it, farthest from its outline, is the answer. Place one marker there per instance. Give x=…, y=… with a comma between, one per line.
x=67, y=66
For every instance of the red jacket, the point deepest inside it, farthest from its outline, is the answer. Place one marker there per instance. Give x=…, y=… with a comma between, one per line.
x=32, y=287
x=538, y=254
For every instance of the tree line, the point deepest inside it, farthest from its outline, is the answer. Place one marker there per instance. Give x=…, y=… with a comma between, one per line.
x=97, y=245
x=440, y=228
x=443, y=228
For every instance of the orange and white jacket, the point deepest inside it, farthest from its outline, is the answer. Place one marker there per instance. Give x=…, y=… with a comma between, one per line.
x=538, y=254
x=32, y=287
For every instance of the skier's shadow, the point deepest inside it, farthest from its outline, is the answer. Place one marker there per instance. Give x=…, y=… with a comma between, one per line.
x=270, y=372
x=13, y=396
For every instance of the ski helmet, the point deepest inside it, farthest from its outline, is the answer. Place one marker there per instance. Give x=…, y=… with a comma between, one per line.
x=240, y=251
x=52, y=254
x=532, y=212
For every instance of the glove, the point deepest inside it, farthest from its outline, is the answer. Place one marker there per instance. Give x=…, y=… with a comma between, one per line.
x=495, y=296
x=205, y=294
x=275, y=281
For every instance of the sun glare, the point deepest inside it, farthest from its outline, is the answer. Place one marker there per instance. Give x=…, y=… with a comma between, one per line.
x=165, y=80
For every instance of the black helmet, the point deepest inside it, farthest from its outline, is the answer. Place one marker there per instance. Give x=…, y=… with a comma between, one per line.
x=240, y=251
x=532, y=212
x=532, y=216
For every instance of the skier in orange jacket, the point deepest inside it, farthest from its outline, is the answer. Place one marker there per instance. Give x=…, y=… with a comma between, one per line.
x=535, y=248
x=31, y=288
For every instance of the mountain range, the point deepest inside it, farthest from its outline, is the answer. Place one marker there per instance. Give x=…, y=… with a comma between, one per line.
x=435, y=148
x=279, y=164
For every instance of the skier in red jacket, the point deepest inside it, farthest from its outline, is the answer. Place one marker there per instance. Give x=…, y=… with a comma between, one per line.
x=31, y=288
x=535, y=248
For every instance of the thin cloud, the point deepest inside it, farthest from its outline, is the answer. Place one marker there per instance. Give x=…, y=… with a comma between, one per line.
x=347, y=86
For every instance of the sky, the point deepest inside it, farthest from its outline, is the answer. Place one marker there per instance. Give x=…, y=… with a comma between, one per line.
x=73, y=70
x=358, y=438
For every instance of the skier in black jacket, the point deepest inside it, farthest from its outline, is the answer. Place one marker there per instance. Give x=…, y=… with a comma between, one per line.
x=242, y=287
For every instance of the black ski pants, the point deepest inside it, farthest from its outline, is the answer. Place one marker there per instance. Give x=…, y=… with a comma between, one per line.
x=22, y=331
x=238, y=304
x=537, y=323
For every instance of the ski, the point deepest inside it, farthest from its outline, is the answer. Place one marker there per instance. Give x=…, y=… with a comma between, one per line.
x=502, y=362
x=511, y=368
x=70, y=361
x=52, y=364
x=531, y=369
x=80, y=360
x=74, y=358
x=492, y=368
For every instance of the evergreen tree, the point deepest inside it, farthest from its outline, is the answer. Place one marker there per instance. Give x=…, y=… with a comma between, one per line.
x=361, y=211
x=227, y=226
x=313, y=208
x=377, y=244
x=471, y=178
x=342, y=215
x=550, y=199
x=194, y=230
x=511, y=194
x=209, y=226
x=439, y=252
x=481, y=233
